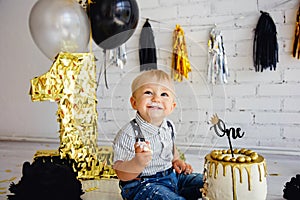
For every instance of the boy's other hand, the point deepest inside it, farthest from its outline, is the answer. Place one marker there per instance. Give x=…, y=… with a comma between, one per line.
x=182, y=167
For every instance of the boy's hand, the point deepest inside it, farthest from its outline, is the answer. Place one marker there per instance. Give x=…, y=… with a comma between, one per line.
x=181, y=166
x=142, y=146
x=143, y=153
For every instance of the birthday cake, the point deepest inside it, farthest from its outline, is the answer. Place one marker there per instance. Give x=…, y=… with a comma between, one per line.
x=237, y=175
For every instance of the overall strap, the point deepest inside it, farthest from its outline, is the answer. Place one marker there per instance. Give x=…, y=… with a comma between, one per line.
x=137, y=130
x=172, y=132
x=170, y=126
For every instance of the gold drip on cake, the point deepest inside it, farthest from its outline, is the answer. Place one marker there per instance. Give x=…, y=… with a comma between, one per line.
x=233, y=183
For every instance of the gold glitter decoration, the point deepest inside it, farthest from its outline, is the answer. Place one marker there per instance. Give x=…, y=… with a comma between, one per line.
x=274, y=174
x=8, y=180
x=71, y=82
x=91, y=189
x=106, y=157
x=44, y=153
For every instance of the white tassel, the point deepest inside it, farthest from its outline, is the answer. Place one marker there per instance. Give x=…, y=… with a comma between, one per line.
x=217, y=61
x=118, y=56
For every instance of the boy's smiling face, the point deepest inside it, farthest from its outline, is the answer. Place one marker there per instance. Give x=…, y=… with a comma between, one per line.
x=154, y=102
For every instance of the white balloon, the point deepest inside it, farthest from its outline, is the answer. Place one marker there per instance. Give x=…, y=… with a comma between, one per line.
x=59, y=26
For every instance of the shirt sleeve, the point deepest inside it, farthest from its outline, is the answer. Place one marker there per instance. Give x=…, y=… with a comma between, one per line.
x=123, y=144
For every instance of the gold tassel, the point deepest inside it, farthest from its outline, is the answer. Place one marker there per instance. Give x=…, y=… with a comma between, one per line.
x=296, y=45
x=180, y=62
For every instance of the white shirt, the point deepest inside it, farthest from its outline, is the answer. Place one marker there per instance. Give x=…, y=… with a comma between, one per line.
x=160, y=139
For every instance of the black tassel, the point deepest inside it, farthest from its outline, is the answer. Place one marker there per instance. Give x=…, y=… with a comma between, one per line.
x=147, y=49
x=265, y=46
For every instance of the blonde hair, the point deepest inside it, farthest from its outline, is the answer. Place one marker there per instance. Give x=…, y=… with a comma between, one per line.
x=154, y=77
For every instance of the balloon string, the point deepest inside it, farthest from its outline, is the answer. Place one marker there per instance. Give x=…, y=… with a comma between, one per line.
x=103, y=71
x=105, y=75
x=91, y=36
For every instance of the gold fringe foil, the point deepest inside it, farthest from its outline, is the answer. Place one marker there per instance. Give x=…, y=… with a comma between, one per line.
x=180, y=62
x=296, y=43
x=71, y=82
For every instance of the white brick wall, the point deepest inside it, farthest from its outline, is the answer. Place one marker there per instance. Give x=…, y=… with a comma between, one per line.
x=265, y=105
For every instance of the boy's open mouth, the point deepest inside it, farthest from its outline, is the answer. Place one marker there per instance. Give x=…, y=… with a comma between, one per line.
x=154, y=106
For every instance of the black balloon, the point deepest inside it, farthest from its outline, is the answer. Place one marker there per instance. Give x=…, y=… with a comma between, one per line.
x=113, y=21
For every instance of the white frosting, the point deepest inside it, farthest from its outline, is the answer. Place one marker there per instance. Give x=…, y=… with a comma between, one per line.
x=234, y=180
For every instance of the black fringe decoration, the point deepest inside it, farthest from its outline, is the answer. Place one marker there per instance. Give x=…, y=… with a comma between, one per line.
x=265, y=47
x=296, y=45
x=47, y=178
x=147, y=48
x=291, y=189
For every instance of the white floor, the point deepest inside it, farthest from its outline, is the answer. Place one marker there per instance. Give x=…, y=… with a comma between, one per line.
x=13, y=154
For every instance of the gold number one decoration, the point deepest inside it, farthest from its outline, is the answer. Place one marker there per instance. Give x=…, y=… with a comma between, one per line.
x=71, y=82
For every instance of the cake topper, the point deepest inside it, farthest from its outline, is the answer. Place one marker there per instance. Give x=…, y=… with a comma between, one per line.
x=221, y=130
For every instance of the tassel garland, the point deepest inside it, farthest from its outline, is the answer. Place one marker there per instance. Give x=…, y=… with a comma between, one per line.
x=265, y=46
x=180, y=62
x=296, y=45
x=118, y=56
x=147, y=48
x=217, y=61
